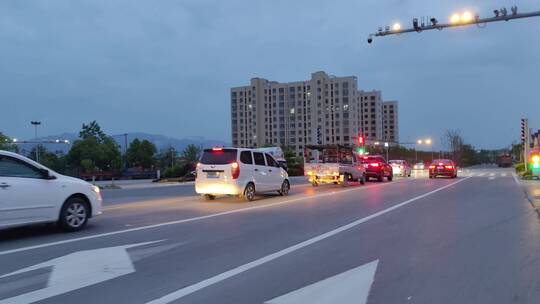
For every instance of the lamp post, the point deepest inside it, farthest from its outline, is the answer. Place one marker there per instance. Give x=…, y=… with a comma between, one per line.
x=386, y=147
x=430, y=143
x=418, y=142
x=36, y=123
x=427, y=142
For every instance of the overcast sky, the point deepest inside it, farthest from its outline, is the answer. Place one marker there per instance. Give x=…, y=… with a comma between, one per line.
x=166, y=67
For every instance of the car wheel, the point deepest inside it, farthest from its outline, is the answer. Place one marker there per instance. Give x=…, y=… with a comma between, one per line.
x=249, y=192
x=285, y=187
x=363, y=180
x=209, y=197
x=74, y=214
x=380, y=177
x=390, y=177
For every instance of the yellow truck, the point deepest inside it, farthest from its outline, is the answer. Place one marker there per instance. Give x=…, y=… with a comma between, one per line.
x=337, y=164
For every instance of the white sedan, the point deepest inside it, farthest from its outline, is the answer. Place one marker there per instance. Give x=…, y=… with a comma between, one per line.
x=31, y=193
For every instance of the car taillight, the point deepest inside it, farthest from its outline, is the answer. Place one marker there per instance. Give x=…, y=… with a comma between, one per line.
x=432, y=167
x=449, y=167
x=374, y=164
x=235, y=170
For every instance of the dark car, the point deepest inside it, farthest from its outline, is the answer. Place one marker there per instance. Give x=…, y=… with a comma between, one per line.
x=377, y=167
x=442, y=167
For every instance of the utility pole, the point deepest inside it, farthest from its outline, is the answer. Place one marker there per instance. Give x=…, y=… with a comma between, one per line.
x=36, y=123
x=125, y=143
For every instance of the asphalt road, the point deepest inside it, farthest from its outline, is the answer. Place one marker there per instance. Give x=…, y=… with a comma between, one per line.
x=475, y=239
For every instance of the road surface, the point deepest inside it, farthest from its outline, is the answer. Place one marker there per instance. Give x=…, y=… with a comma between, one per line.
x=474, y=239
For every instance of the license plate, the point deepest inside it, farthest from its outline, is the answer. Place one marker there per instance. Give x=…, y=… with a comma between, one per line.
x=212, y=175
x=440, y=167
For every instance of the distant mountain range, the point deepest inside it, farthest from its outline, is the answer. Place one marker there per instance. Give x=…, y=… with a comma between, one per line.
x=161, y=142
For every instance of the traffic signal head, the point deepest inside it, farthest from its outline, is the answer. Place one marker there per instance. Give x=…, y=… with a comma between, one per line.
x=524, y=126
x=535, y=161
x=361, y=150
x=361, y=141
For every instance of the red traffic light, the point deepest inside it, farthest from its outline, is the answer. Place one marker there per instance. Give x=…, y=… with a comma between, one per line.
x=360, y=140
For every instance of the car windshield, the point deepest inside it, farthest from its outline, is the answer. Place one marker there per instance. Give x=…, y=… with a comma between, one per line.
x=218, y=156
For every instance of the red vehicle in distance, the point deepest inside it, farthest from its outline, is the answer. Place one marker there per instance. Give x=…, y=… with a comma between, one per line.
x=442, y=167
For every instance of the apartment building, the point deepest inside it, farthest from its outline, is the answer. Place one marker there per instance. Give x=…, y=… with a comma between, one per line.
x=322, y=110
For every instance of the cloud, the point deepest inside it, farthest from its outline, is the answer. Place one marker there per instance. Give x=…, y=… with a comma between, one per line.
x=167, y=66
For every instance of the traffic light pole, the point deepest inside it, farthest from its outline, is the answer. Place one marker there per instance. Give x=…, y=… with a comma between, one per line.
x=500, y=15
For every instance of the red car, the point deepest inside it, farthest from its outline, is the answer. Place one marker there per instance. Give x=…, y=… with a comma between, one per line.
x=377, y=167
x=442, y=167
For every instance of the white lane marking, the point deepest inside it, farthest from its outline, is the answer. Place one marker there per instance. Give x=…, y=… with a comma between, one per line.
x=516, y=178
x=491, y=177
x=481, y=174
x=349, y=287
x=193, y=219
x=492, y=174
x=78, y=270
x=180, y=293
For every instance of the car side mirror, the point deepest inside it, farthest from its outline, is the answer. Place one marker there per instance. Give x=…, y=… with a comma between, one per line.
x=46, y=174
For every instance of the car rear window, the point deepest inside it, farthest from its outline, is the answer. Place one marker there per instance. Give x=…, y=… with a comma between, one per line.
x=218, y=157
x=372, y=159
x=444, y=161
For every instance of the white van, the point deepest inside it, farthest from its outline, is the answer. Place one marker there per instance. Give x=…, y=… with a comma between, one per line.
x=239, y=171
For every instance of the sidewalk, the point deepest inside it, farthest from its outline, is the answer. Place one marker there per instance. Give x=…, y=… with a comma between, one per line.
x=137, y=184
x=532, y=190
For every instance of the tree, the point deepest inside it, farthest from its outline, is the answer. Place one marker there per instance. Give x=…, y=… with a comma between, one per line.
x=455, y=143
x=141, y=154
x=191, y=154
x=49, y=159
x=6, y=143
x=92, y=130
x=295, y=164
x=94, y=151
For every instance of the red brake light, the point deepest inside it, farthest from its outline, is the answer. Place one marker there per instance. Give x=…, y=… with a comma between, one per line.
x=374, y=164
x=217, y=149
x=440, y=164
x=432, y=167
x=449, y=167
x=365, y=157
x=235, y=170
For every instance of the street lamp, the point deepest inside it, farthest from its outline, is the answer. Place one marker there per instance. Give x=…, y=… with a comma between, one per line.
x=386, y=145
x=36, y=123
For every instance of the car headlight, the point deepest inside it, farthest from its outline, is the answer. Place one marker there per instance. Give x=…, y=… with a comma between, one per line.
x=96, y=189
